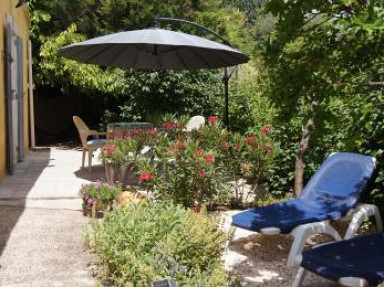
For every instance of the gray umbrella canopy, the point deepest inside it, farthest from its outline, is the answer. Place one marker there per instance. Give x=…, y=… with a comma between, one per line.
x=155, y=48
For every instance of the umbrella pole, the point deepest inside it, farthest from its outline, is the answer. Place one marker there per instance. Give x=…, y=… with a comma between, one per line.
x=226, y=93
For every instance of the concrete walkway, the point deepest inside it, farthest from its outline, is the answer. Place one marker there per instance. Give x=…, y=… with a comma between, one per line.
x=42, y=224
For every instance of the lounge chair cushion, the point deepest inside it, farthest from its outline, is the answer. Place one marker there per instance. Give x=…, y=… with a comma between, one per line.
x=284, y=215
x=361, y=257
x=97, y=142
x=332, y=191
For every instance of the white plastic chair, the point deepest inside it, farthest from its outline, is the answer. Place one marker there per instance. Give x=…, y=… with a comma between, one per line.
x=195, y=123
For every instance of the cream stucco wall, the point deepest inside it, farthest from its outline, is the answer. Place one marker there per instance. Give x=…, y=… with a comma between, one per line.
x=21, y=17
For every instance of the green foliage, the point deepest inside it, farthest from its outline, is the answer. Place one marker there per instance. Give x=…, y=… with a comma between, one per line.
x=133, y=95
x=140, y=243
x=322, y=62
x=58, y=71
x=250, y=108
x=147, y=94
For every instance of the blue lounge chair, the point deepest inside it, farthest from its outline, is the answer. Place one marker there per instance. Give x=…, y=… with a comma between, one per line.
x=356, y=262
x=332, y=193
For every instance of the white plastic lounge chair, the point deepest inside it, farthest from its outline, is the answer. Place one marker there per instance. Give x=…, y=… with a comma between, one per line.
x=332, y=193
x=195, y=123
x=357, y=262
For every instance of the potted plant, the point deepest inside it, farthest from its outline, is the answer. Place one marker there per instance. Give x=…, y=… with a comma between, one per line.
x=111, y=156
x=98, y=197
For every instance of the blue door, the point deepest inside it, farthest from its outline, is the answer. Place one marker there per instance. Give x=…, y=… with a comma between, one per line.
x=9, y=99
x=20, y=96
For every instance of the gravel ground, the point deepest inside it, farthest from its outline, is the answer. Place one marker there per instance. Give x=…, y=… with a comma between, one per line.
x=41, y=248
x=260, y=260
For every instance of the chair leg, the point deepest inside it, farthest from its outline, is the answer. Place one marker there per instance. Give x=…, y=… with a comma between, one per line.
x=299, y=277
x=302, y=233
x=83, y=161
x=90, y=155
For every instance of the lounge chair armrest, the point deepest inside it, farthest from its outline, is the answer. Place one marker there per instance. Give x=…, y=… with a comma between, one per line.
x=302, y=232
x=353, y=282
x=363, y=212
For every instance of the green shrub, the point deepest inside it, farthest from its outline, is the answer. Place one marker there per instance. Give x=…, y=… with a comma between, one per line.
x=141, y=243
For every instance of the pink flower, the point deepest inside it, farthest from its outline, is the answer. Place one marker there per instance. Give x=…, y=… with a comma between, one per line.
x=210, y=159
x=171, y=125
x=266, y=130
x=250, y=139
x=201, y=173
x=97, y=185
x=180, y=145
x=199, y=151
x=267, y=149
x=146, y=176
x=171, y=149
x=109, y=149
x=212, y=119
x=236, y=147
x=226, y=145
x=152, y=132
x=196, y=207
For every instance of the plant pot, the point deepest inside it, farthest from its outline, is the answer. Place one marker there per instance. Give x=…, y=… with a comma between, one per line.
x=122, y=174
x=99, y=213
x=109, y=173
x=98, y=210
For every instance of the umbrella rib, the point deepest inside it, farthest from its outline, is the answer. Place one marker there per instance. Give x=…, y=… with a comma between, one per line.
x=117, y=55
x=98, y=53
x=159, y=61
x=199, y=56
x=222, y=59
x=134, y=63
x=73, y=51
x=181, y=59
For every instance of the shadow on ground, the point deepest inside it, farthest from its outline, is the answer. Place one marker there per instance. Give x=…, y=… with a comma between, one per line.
x=98, y=173
x=15, y=189
x=260, y=260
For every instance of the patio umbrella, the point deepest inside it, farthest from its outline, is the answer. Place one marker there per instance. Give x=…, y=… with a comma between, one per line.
x=157, y=49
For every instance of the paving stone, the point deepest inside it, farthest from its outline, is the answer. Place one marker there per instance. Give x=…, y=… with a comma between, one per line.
x=42, y=224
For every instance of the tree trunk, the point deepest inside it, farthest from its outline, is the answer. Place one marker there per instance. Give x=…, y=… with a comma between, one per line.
x=299, y=164
x=303, y=146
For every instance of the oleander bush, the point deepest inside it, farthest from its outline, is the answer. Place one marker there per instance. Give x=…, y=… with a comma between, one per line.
x=138, y=243
x=194, y=168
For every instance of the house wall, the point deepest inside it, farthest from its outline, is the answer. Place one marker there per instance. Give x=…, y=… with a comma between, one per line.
x=22, y=18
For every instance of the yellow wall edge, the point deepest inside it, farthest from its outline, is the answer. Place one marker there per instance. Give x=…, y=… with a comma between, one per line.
x=22, y=17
